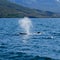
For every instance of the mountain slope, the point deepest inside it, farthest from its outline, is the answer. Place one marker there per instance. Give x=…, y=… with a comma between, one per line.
x=46, y=5
x=8, y=9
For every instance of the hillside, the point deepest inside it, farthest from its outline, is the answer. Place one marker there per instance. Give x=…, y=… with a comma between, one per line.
x=46, y=5
x=12, y=10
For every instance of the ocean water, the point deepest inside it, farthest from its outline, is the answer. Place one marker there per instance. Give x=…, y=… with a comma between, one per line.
x=44, y=46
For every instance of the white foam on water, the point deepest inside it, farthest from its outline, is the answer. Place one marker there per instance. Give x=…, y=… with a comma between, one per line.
x=26, y=25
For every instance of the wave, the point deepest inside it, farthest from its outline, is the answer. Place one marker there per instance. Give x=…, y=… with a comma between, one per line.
x=55, y=33
x=22, y=56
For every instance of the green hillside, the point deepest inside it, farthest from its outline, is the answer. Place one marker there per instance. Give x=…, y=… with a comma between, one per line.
x=12, y=10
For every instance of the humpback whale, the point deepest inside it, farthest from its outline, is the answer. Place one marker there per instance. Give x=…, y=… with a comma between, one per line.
x=23, y=33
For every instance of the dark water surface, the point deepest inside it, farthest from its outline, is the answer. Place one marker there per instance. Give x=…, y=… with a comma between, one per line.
x=30, y=47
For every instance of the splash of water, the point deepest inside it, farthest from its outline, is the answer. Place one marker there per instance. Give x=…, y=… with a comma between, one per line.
x=26, y=24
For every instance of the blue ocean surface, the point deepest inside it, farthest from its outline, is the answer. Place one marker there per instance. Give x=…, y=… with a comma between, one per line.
x=16, y=46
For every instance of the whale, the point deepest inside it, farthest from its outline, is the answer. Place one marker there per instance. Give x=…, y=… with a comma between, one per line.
x=21, y=33
x=36, y=33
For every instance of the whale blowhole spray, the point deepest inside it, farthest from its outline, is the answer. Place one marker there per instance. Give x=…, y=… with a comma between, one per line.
x=26, y=24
